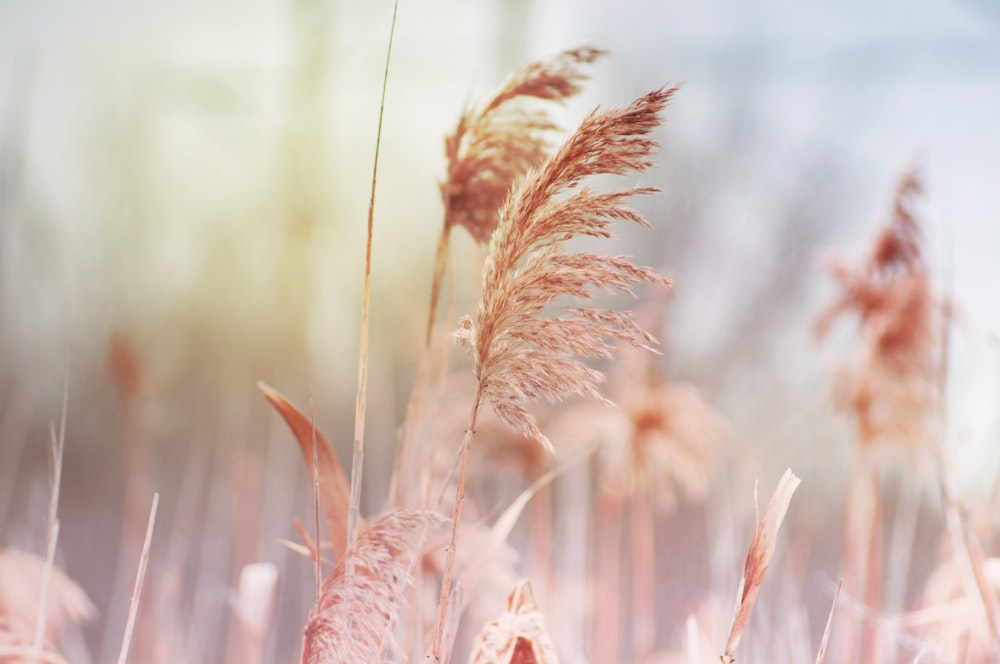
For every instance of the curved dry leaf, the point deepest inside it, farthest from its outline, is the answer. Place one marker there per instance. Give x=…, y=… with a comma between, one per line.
x=334, y=487
x=765, y=539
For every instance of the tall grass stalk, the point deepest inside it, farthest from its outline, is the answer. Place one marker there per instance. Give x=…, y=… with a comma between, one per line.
x=357, y=464
x=52, y=531
x=140, y=575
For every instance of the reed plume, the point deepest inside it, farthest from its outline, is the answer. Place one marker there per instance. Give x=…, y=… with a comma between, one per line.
x=354, y=617
x=892, y=391
x=519, y=353
x=499, y=141
x=893, y=388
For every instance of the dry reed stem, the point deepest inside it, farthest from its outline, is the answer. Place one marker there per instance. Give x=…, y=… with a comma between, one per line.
x=606, y=620
x=318, y=569
x=973, y=571
x=449, y=567
x=334, y=487
x=765, y=538
x=52, y=537
x=133, y=607
x=354, y=617
x=643, y=531
x=358, y=458
x=518, y=636
x=821, y=653
x=498, y=142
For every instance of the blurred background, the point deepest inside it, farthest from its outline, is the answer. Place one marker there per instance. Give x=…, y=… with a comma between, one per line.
x=183, y=201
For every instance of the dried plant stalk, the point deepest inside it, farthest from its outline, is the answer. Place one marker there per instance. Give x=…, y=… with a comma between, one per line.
x=821, y=653
x=354, y=617
x=765, y=538
x=140, y=575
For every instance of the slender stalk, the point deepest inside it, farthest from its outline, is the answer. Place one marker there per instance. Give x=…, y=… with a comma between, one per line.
x=821, y=654
x=449, y=567
x=873, y=571
x=643, y=528
x=964, y=538
x=440, y=259
x=857, y=544
x=540, y=527
x=967, y=542
x=318, y=571
x=441, y=379
x=357, y=464
x=58, y=444
x=133, y=607
x=606, y=619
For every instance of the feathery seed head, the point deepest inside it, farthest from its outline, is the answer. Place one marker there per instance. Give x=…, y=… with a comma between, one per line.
x=500, y=140
x=519, y=353
x=893, y=387
x=354, y=617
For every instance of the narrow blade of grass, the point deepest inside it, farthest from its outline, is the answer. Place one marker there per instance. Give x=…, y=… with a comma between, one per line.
x=133, y=608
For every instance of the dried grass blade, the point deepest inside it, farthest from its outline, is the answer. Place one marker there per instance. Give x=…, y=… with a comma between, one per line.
x=58, y=445
x=759, y=556
x=133, y=607
x=335, y=489
x=821, y=654
x=357, y=463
